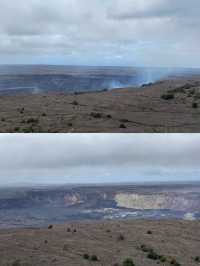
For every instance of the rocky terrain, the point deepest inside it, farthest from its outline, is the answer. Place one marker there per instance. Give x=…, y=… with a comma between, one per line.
x=168, y=106
x=79, y=100
x=114, y=243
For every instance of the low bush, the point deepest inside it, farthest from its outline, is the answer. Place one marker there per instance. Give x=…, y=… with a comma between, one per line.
x=153, y=255
x=93, y=258
x=75, y=103
x=21, y=110
x=16, y=129
x=174, y=262
x=167, y=96
x=86, y=256
x=122, y=126
x=162, y=258
x=120, y=237
x=195, y=105
x=16, y=263
x=96, y=115
x=128, y=262
x=28, y=129
x=32, y=121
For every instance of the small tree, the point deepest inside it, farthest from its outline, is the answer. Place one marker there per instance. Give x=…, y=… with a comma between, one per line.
x=16, y=263
x=128, y=262
x=195, y=105
x=94, y=258
x=86, y=256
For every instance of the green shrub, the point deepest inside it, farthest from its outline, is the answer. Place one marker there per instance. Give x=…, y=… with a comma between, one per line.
x=96, y=115
x=32, y=121
x=128, y=262
x=162, y=258
x=120, y=237
x=86, y=256
x=153, y=255
x=174, y=262
x=16, y=263
x=122, y=126
x=167, y=96
x=16, y=129
x=93, y=258
x=28, y=129
x=21, y=110
x=75, y=103
x=197, y=259
x=195, y=105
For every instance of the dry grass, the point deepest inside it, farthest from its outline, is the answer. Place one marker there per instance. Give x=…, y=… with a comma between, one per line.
x=98, y=244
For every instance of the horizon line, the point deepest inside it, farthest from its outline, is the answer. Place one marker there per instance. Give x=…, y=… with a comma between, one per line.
x=144, y=183
x=101, y=66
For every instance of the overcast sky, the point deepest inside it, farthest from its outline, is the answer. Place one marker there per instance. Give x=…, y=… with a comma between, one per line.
x=101, y=32
x=88, y=158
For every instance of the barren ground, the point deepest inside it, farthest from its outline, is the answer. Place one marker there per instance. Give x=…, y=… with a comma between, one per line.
x=120, y=110
x=112, y=242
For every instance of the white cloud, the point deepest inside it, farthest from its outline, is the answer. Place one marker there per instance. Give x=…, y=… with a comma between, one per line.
x=88, y=31
x=72, y=158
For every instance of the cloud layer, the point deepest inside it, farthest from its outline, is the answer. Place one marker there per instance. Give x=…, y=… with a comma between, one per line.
x=88, y=158
x=104, y=32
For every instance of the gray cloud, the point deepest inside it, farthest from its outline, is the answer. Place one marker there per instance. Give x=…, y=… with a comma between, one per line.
x=83, y=158
x=154, y=9
x=134, y=32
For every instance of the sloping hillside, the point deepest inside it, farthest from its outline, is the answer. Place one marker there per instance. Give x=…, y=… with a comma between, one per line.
x=147, y=243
